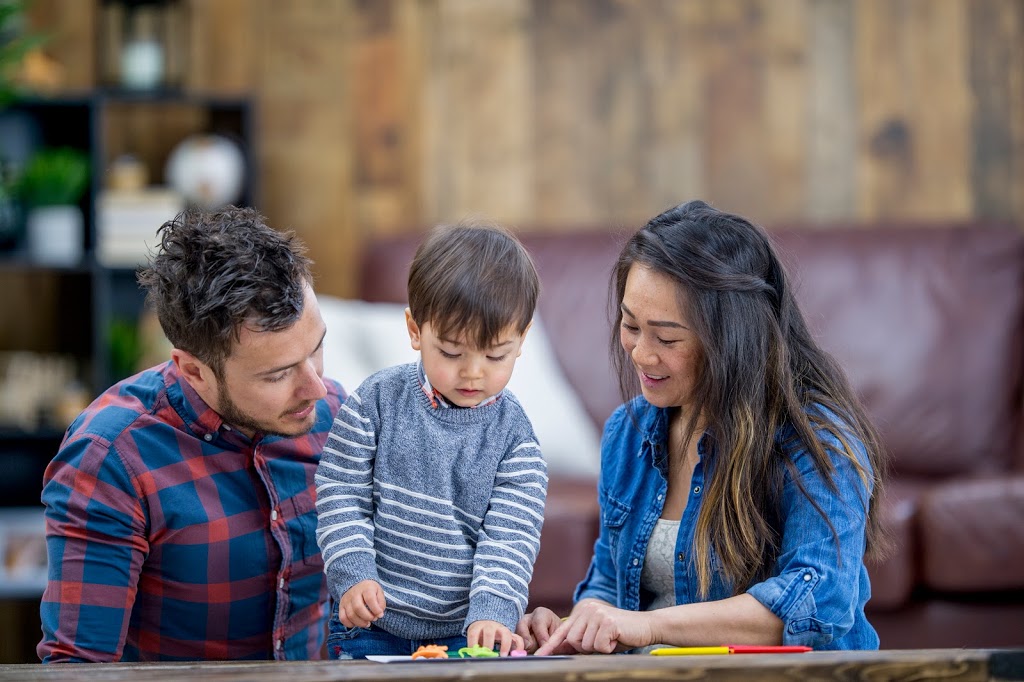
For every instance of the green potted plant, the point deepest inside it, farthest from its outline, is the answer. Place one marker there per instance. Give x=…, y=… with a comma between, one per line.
x=50, y=187
x=16, y=45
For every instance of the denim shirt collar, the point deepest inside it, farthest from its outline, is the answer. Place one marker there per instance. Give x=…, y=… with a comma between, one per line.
x=652, y=423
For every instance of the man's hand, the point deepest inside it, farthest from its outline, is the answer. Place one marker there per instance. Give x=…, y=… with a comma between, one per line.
x=597, y=627
x=362, y=604
x=486, y=633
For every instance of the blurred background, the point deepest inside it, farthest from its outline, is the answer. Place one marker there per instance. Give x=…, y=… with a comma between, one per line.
x=348, y=119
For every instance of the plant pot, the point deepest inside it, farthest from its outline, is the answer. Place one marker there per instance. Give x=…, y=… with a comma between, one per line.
x=54, y=234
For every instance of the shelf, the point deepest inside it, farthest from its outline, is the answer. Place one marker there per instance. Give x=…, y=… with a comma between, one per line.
x=114, y=96
x=41, y=435
x=22, y=552
x=107, y=123
x=15, y=261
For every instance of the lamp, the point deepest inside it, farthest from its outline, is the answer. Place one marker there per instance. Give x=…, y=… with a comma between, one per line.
x=142, y=44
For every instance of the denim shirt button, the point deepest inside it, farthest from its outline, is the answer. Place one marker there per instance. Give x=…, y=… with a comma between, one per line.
x=696, y=490
x=681, y=556
x=807, y=577
x=636, y=561
x=659, y=497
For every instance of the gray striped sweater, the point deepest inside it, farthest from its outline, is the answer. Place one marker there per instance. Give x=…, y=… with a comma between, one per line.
x=441, y=506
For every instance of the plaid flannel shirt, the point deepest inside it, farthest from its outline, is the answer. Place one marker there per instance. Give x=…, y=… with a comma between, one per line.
x=173, y=536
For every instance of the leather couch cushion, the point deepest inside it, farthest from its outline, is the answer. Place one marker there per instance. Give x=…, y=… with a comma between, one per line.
x=972, y=535
x=893, y=579
x=928, y=325
x=566, y=542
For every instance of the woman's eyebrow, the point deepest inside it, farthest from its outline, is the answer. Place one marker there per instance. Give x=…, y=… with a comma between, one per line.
x=654, y=323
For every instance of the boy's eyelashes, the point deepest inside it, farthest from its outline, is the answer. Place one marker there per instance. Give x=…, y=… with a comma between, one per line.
x=452, y=356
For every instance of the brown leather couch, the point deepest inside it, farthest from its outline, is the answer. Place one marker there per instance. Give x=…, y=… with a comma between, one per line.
x=929, y=323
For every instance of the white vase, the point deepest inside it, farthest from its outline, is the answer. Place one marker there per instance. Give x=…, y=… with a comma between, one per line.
x=54, y=234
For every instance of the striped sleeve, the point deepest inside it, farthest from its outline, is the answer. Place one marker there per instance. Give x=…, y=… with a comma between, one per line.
x=344, y=498
x=509, y=537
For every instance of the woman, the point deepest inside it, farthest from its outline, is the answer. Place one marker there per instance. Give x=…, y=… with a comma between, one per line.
x=738, y=492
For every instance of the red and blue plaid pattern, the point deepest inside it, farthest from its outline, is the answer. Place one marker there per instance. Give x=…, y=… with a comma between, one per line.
x=172, y=536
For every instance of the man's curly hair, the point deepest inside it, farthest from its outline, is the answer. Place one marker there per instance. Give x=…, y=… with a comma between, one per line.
x=215, y=271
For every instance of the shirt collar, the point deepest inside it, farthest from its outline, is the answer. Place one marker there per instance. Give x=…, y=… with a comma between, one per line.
x=437, y=400
x=199, y=417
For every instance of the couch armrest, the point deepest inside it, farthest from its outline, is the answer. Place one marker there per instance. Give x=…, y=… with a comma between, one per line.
x=972, y=534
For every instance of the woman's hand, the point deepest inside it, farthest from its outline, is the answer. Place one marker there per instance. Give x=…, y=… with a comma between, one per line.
x=597, y=627
x=535, y=629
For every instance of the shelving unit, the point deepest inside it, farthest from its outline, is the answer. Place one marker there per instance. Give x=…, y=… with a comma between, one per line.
x=85, y=298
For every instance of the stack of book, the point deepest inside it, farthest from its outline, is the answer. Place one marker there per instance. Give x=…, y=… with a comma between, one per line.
x=127, y=222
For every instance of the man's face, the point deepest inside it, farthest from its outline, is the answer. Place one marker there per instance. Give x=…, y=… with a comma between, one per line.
x=271, y=381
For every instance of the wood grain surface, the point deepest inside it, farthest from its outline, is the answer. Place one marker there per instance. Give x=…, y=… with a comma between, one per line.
x=939, y=664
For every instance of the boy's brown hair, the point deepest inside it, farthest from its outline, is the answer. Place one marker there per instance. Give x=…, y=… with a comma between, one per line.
x=473, y=278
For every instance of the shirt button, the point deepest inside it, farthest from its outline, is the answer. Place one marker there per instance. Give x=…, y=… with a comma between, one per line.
x=273, y=515
x=280, y=584
x=681, y=556
x=659, y=497
x=636, y=561
x=278, y=644
x=807, y=577
x=208, y=437
x=696, y=490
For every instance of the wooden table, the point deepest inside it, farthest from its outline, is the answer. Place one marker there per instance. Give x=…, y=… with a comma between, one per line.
x=929, y=664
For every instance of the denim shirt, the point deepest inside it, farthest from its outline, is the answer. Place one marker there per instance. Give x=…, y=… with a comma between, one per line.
x=817, y=592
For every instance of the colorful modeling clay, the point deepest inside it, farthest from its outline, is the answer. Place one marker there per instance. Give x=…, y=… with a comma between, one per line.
x=431, y=651
x=477, y=652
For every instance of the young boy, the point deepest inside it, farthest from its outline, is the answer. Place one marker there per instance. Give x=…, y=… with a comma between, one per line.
x=431, y=487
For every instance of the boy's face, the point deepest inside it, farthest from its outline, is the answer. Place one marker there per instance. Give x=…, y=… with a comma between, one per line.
x=464, y=374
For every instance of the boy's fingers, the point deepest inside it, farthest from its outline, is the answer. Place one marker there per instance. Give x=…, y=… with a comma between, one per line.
x=487, y=638
x=375, y=604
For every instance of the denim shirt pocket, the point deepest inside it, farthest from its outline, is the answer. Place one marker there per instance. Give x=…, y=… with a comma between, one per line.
x=613, y=518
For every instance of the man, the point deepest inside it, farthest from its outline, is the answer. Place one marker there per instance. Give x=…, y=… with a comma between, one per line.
x=180, y=509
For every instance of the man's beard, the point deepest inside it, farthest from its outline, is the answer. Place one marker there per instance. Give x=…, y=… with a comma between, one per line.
x=231, y=414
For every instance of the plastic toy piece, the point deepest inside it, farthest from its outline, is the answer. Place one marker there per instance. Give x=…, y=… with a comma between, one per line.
x=431, y=651
x=517, y=653
x=477, y=652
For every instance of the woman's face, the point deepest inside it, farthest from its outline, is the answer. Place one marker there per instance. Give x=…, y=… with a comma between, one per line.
x=658, y=338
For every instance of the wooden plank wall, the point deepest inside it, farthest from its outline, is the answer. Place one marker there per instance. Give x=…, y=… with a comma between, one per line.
x=381, y=116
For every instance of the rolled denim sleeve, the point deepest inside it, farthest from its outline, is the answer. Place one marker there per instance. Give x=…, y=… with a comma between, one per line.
x=818, y=578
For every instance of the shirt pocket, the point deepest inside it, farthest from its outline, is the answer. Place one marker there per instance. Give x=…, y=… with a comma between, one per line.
x=613, y=517
x=305, y=516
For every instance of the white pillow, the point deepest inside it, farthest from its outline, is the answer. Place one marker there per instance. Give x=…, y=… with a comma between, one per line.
x=365, y=337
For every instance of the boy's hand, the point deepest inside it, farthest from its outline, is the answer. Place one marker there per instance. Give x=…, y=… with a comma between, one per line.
x=486, y=632
x=362, y=604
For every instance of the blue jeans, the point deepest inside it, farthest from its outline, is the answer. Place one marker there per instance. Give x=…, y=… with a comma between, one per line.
x=346, y=643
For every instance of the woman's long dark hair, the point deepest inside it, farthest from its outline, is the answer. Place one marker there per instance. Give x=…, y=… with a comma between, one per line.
x=761, y=371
